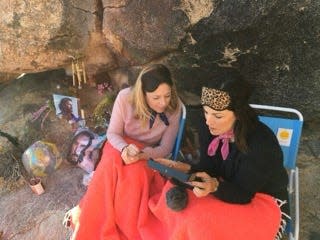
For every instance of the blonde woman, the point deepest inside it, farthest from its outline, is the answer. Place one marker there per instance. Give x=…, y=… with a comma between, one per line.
x=144, y=124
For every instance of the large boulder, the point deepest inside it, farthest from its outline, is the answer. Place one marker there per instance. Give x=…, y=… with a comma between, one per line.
x=44, y=35
x=273, y=43
x=39, y=35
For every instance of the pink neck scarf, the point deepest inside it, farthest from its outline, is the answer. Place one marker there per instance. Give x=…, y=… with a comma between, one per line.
x=225, y=138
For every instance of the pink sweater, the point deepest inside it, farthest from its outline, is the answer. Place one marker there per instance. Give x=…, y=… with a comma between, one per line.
x=158, y=140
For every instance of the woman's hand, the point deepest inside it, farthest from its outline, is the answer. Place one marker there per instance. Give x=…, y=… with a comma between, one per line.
x=184, y=167
x=130, y=154
x=207, y=186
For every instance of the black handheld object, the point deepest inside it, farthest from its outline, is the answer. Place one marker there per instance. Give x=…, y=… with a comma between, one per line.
x=173, y=173
x=176, y=197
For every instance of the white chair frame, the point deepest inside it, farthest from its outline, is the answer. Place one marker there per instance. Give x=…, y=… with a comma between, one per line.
x=293, y=187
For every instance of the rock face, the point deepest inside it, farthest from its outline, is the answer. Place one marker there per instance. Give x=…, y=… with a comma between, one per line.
x=41, y=35
x=275, y=44
x=27, y=113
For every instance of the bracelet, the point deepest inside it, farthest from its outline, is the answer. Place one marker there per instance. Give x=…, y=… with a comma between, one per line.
x=216, y=188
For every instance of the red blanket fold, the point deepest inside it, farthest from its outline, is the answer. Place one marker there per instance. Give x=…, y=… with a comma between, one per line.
x=209, y=218
x=127, y=202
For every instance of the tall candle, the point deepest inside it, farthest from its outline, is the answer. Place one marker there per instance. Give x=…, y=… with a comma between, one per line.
x=73, y=77
x=82, y=113
x=78, y=75
x=84, y=72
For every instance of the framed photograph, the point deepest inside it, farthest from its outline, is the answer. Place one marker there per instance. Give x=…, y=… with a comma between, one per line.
x=66, y=107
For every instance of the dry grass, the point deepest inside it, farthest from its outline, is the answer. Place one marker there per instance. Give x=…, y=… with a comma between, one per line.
x=14, y=177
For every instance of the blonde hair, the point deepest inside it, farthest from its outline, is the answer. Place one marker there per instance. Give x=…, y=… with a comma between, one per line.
x=157, y=74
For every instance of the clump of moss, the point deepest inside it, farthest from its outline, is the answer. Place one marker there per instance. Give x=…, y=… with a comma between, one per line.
x=12, y=172
x=102, y=112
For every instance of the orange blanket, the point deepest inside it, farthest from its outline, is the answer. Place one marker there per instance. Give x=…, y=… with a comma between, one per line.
x=127, y=202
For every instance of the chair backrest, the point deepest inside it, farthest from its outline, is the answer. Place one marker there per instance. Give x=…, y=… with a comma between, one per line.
x=287, y=130
x=177, y=144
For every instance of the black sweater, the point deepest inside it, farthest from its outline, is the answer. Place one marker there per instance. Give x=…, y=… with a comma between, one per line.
x=244, y=174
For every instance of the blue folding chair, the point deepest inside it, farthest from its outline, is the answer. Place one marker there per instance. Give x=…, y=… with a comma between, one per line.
x=177, y=144
x=288, y=132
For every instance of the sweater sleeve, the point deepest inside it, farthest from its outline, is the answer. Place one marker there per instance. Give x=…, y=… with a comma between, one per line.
x=116, y=126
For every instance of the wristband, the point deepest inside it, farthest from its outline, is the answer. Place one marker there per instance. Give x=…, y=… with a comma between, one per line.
x=216, y=188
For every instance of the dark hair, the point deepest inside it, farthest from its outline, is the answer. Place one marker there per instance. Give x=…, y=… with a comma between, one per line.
x=90, y=137
x=63, y=106
x=157, y=75
x=239, y=90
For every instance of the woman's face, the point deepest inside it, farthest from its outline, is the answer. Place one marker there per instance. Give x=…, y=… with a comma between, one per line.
x=159, y=99
x=219, y=122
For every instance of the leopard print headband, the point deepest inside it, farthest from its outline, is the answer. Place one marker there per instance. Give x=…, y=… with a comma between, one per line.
x=216, y=99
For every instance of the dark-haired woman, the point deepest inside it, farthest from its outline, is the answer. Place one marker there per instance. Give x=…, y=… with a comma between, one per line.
x=243, y=193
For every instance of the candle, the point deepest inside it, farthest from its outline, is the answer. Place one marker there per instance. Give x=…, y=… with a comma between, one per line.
x=82, y=113
x=78, y=74
x=73, y=77
x=84, y=72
